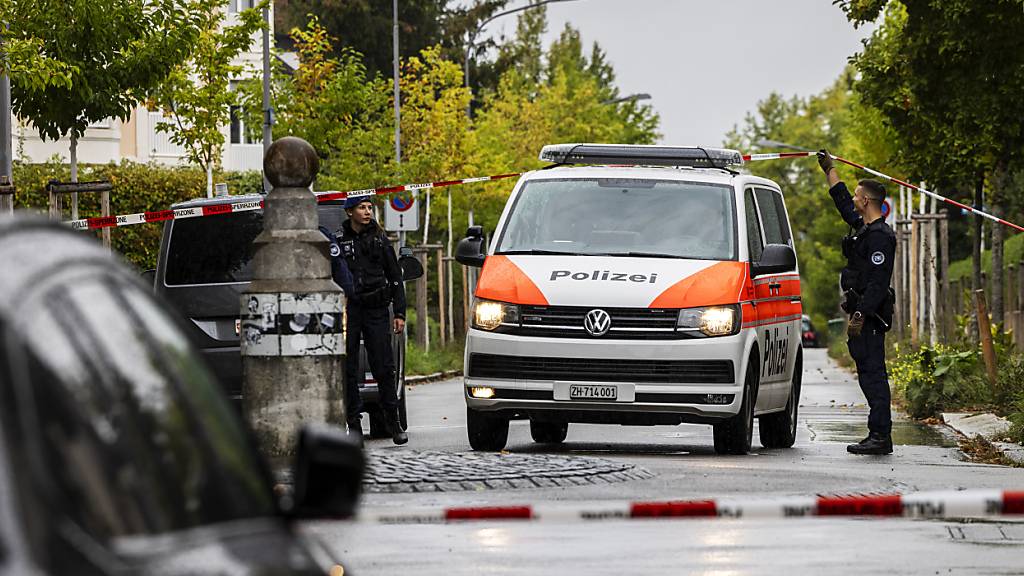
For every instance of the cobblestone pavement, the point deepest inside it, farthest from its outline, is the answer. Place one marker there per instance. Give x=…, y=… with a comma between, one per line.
x=427, y=471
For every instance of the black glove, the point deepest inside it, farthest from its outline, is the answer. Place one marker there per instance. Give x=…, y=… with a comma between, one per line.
x=825, y=161
x=856, y=324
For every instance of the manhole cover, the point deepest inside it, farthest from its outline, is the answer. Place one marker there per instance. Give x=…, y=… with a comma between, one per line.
x=424, y=471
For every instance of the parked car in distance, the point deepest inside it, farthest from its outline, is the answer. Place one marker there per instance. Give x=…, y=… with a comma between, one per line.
x=809, y=333
x=119, y=453
x=205, y=264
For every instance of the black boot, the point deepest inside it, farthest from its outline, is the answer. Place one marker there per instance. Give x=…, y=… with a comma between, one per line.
x=875, y=443
x=398, y=436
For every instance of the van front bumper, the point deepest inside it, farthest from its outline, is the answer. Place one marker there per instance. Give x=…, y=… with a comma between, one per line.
x=657, y=381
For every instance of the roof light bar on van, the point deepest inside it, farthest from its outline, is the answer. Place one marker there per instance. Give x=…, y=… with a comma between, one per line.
x=640, y=155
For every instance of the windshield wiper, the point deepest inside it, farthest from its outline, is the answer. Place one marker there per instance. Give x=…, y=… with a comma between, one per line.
x=540, y=251
x=646, y=255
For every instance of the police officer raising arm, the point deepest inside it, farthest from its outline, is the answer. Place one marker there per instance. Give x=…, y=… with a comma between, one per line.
x=869, y=249
x=377, y=284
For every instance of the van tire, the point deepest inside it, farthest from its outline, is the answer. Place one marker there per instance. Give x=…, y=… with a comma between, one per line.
x=487, y=432
x=779, y=430
x=734, y=435
x=549, y=432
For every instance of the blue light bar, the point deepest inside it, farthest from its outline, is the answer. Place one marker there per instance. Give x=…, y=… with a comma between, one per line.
x=640, y=155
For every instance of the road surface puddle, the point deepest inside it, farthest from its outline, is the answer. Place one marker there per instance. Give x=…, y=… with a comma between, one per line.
x=904, y=433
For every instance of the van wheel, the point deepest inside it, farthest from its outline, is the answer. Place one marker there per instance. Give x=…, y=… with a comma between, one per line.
x=549, y=432
x=779, y=430
x=487, y=432
x=734, y=435
x=378, y=427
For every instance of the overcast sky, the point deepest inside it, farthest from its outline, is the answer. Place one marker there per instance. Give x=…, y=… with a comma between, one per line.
x=706, y=63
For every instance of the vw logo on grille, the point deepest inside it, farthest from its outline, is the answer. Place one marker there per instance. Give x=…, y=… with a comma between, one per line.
x=597, y=322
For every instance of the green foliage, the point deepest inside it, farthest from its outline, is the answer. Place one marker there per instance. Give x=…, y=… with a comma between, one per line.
x=933, y=379
x=196, y=95
x=137, y=188
x=106, y=55
x=1013, y=253
x=835, y=119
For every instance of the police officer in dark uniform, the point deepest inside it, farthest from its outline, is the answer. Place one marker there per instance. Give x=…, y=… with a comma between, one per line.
x=377, y=284
x=869, y=249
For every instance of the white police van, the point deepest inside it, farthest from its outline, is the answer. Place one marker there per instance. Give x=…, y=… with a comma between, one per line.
x=636, y=285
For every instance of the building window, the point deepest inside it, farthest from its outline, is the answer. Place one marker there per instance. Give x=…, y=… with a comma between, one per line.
x=237, y=6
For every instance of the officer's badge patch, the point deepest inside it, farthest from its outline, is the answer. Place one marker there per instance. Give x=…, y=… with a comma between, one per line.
x=335, y=250
x=878, y=258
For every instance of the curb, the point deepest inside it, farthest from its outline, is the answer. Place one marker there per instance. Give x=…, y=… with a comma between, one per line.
x=988, y=426
x=948, y=504
x=425, y=378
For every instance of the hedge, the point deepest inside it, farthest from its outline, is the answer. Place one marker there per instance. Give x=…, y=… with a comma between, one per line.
x=137, y=188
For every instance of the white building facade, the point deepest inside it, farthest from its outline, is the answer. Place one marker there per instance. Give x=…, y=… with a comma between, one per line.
x=138, y=140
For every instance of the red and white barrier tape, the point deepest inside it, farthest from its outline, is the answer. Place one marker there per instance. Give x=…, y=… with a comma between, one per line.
x=780, y=155
x=964, y=504
x=228, y=207
x=232, y=207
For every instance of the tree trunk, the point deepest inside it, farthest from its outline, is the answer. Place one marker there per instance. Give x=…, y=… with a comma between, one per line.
x=74, y=174
x=1000, y=182
x=976, y=247
x=209, y=180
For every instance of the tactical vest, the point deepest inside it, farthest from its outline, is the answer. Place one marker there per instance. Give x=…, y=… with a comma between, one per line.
x=364, y=254
x=854, y=278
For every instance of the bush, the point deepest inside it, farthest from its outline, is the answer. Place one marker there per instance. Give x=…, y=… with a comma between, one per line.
x=137, y=188
x=932, y=379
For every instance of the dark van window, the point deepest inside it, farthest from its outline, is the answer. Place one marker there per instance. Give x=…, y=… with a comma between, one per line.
x=134, y=433
x=219, y=249
x=754, y=242
x=213, y=249
x=773, y=216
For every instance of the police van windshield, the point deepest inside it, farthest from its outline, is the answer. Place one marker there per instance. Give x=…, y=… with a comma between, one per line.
x=622, y=217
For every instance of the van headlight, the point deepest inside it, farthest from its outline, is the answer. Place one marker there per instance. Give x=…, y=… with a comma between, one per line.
x=488, y=314
x=710, y=320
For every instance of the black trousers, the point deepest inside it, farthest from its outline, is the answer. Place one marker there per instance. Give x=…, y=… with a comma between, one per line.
x=868, y=351
x=374, y=325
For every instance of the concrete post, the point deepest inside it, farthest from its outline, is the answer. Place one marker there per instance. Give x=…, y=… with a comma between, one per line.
x=292, y=314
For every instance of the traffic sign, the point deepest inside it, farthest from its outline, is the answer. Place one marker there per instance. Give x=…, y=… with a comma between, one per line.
x=887, y=213
x=401, y=213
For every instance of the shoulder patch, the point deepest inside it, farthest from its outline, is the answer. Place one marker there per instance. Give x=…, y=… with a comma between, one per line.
x=335, y=250
x=878, y=258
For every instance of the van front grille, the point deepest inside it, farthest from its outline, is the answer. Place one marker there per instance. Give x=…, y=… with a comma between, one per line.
x=601, y=369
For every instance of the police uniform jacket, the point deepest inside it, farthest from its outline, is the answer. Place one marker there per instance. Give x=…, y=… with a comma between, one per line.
x=376, y=276
x=870, y=251
x=339, y=268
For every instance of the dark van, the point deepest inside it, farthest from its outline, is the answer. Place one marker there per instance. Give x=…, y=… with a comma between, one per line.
x=206, y=263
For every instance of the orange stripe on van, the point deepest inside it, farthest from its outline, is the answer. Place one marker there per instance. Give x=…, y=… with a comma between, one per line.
x=716, y=284
x=502, y=280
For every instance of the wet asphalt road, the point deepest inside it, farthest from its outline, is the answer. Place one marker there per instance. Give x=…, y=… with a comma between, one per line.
x=684, y=466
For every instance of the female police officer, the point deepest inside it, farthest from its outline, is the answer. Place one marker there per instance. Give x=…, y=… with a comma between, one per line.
x=869, y=249
x=377, y=283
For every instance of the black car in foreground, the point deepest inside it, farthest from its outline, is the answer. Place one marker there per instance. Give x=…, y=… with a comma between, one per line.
x=119, y=453
x=206, y=263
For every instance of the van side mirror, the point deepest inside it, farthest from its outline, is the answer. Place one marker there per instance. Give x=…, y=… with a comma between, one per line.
x=411, y=266
x=776, y=259
x=470, y=250
x=329, y=465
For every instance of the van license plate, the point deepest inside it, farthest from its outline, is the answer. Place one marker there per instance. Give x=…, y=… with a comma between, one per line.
x=592, y=392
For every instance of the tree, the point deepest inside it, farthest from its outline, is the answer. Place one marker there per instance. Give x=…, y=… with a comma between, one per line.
x=332, y=103
x=196, y=96
x=110, y=53
x=947, y=76
x=24, y=60
x=834, y=119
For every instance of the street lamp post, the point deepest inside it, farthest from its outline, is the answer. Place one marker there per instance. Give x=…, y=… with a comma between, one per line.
x=630, y=98
x=765, y=143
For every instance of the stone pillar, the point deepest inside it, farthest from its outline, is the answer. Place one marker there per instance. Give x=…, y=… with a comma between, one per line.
x=292, y=336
